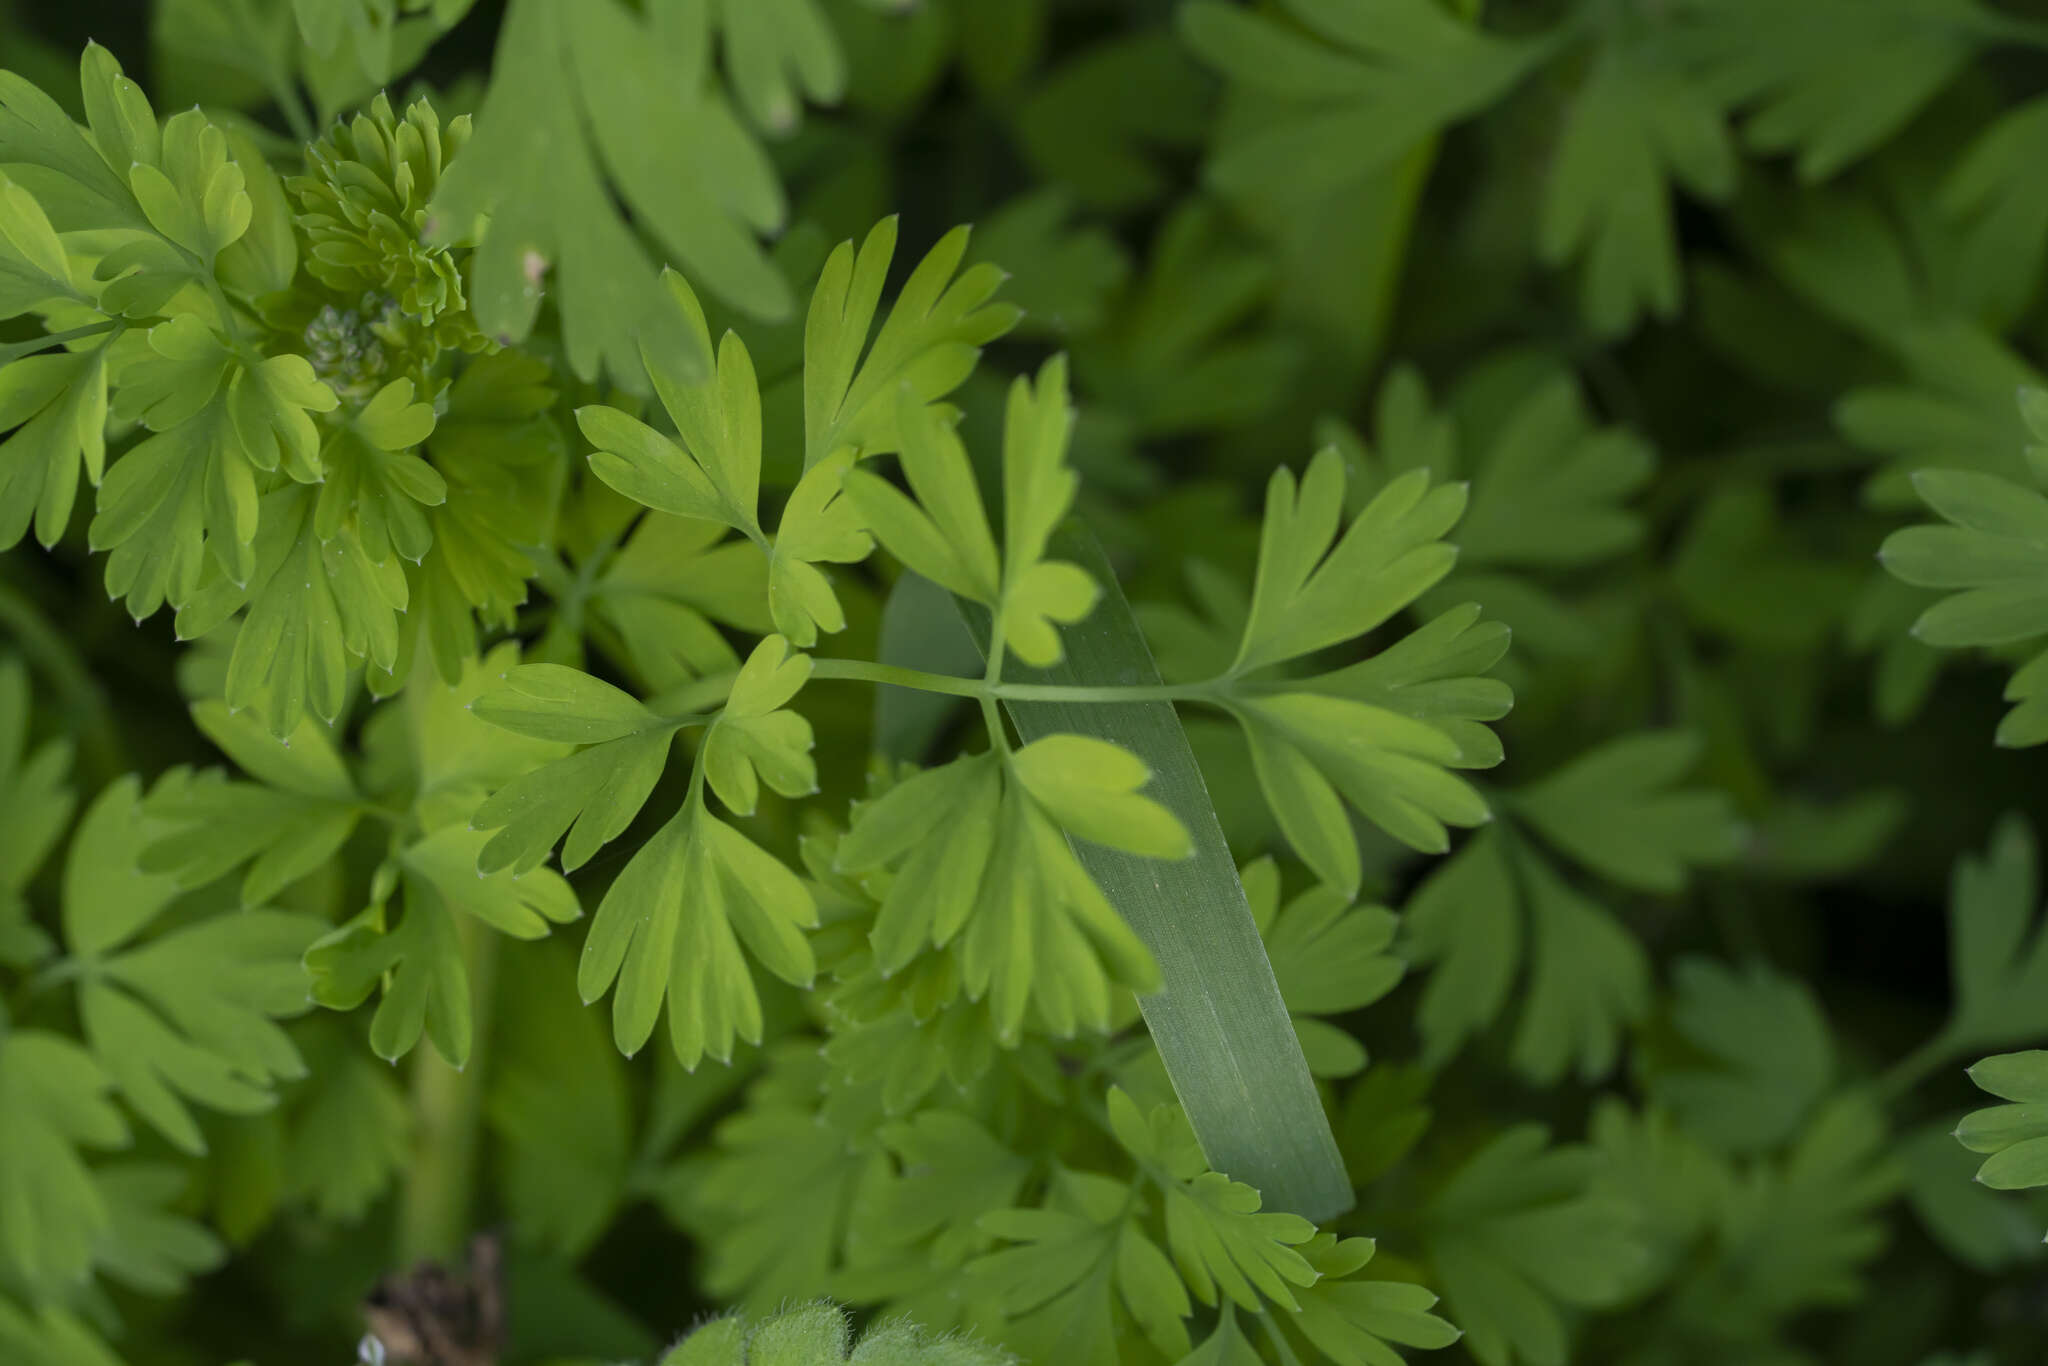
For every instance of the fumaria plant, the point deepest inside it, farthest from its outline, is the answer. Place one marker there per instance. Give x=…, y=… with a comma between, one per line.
x=1323, y=739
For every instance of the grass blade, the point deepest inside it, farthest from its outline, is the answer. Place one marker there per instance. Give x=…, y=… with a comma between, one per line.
x=1219, y=1022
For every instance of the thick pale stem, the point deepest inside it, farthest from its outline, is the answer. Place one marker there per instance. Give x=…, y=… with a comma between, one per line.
x=434, y=1220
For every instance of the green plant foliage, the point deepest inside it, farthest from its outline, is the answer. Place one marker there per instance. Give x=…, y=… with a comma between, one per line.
x=1244, y=682
x=363, y=208
x=1515, y=1234
x=819, y=1333
x=1990, y=550
x=1789, y=69
x=2009, y=1134
x=1609, y=814
x=186, y=1013
x=1766, y=1057
x=575, y=110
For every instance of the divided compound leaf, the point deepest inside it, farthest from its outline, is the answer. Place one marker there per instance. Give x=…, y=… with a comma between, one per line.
x=1833, y=79
x=1639, y=121
x=1380, y=736
x=941, y=529
x=1315, y=589
x=755, y=739
x=1999, y=950
x=1496, y=904
x=1519, y=1233
x=301, y=808
x=671, y=928
x=576, y=110
x=1798, y=1231
x=928, y=344
x=592, y=794
x=1351, y=1318
x=1769, y=1057
x=1359, y=93
x=187, y=1015
x=715, y=472
x=819, y=526
x=1224, y=1245
x=1620, y=812
x=1074, y=1266
x=36, y=802
x=2013, y=1137
x=1329, y=956
x=1992, y=558
x=54, y=1100
x=980, y=856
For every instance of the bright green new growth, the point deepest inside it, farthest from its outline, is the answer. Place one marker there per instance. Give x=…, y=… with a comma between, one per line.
x=982, y=867
x=363, y=208
x=287, y=409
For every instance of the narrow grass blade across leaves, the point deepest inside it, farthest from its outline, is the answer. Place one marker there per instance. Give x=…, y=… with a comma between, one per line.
x=1219, y=1021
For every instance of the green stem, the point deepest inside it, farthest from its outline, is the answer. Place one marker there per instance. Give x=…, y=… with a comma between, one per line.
x=2006, y=29
x=226, y=309
x=279, y=83
x=992, y=721
x=992, y=671
x=1061, y=692
x=864, y=671
x=992, y=676
x=1916, y=1067
x=73, y=682
x=1281, y=1347
x=694, y=702
x=435, y=1214
x=293, y=106
x=14, y=351
x=55, y=975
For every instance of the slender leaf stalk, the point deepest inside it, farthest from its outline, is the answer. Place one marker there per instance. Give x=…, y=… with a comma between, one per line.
x=51, y=652
x=14, y=351
x=435, y=1209
x=860, y=670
